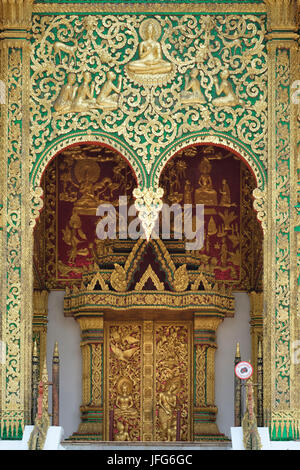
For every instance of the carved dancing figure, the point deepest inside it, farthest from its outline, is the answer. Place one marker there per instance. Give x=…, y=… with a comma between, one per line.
x=167, y=407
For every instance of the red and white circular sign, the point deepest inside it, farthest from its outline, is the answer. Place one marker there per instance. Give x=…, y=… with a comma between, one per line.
x=243, y=370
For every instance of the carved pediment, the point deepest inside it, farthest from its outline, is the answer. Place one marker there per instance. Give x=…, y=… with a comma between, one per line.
x=149, y=274
x=97, y=280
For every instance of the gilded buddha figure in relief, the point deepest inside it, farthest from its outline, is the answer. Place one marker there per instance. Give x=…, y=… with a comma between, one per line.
x=124, y=400
x=205, y=193
x=150, y=54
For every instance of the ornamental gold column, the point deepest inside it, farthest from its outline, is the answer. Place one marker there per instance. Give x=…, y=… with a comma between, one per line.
x=281, y=394
x=91, y=427
x=16, y=276
x=205, y=410
x=256, y=331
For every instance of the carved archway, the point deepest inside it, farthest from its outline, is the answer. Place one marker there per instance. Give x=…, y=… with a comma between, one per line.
x=58, y=146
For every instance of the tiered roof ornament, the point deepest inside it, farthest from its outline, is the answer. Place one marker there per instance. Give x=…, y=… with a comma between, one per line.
x=178, y=288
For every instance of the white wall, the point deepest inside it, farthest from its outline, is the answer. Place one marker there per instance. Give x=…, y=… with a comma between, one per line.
x=231, y=331
x=67, y=333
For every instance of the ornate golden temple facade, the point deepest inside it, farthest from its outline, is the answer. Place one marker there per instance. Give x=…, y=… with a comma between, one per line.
x=162, y=103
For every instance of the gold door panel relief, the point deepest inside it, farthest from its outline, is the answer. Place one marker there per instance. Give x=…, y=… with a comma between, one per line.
x=148, y=381
x=173, y=381
x=123, y=381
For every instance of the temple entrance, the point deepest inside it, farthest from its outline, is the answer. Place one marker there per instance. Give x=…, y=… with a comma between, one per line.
x=148, y=310
x=148, y=374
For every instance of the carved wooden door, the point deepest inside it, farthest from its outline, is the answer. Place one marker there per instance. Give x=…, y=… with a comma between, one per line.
x=148, y=381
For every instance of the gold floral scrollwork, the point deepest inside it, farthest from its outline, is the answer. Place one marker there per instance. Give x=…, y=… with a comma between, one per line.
x=118, y=279
x=200, y=375
x=36, y=204
x=181, y=279
x=175, y=81
x=259, y=205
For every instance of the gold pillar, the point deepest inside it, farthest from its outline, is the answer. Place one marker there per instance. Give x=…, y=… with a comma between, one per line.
x=281, y=395
x=91, y=426
x=16, y=273
x=256, y=328
x=205, y=410
x=39, y=324
x=148, y=378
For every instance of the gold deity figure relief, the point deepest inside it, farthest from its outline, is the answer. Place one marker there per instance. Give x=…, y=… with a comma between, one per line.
x=73, y=98
x=124, y=401
x=108, y=97
x=64, y=101
x=167, y=412
x=205, y=193
x=150, y=61
x=87, y=173
x=225, y=194
x=73, y=235
x=122, y=432
x=192, y=91
x=84, y=98
x=225, y=88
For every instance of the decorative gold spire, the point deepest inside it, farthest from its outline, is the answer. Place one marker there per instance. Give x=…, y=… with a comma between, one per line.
x=45, y=381
x=237, y=353
x=35, y=351
x=55, y=352
x=259, y=354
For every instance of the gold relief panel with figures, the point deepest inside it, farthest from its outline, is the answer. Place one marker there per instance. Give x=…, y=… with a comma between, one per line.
x=76, y=183
x=123, y=381
x=173, y=381
x=219, y=180
x=148, y=381
x=166, y=70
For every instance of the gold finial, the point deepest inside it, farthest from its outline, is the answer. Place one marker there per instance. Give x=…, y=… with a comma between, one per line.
x=55, y=352
x=45, y=373
x=45, y=382
x=34, y=352
x=259, y=349
x=237, y=354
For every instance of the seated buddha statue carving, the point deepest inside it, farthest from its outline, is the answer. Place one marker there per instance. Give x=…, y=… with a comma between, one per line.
x=205, y=193
x=124, y=401
x=150, y=54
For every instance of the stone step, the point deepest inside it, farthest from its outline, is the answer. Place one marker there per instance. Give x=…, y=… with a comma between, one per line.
x=148, y=446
